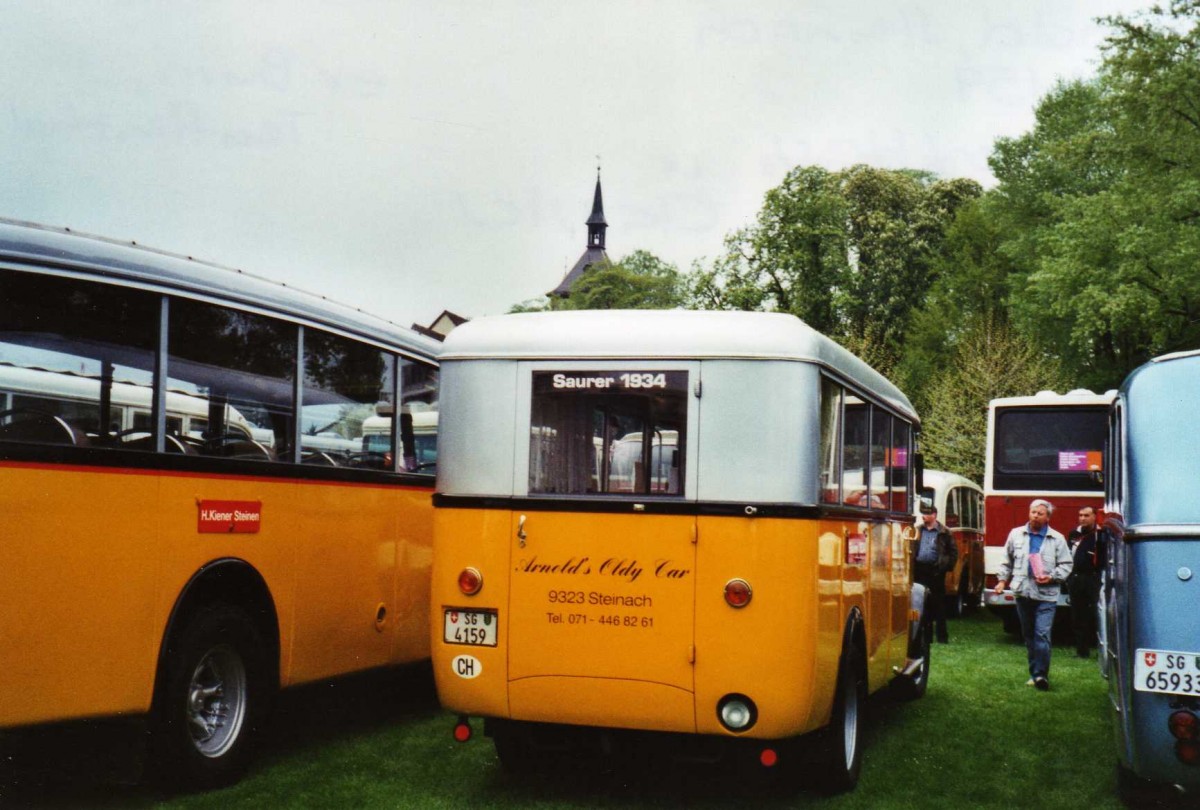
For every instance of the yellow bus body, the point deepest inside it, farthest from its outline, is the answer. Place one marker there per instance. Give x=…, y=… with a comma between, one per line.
x=685, y=647
x=97, y=559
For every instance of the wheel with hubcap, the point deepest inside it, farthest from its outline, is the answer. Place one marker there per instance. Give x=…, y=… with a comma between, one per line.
x=212, y=700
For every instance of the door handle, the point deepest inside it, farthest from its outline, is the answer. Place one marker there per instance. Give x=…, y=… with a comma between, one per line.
x=521, y=531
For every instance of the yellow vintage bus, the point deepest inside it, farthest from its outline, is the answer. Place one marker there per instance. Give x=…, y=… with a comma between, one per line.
x=690, y=523
x=191, y=520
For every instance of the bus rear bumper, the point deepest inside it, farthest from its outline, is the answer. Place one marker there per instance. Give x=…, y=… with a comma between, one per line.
x=993, y=600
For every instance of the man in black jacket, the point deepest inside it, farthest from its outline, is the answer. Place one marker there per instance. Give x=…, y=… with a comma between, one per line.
x=1086, y=542
x=936, y=554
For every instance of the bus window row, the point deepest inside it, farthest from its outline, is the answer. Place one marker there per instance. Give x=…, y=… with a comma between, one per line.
x=865, y=452
x=82, y=372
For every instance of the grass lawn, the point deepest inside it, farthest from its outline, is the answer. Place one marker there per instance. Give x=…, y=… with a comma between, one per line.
x=979, y=738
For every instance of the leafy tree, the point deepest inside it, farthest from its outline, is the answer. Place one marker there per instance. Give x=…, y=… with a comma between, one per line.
x=991, y=360
x=640, y=280
x=972, y=278
x=1102, y=204
x=848, y=252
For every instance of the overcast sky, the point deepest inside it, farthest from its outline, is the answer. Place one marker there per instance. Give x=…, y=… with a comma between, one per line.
x=410, y=157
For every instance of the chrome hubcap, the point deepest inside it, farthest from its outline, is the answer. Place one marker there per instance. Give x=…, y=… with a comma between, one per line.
x=216, y=701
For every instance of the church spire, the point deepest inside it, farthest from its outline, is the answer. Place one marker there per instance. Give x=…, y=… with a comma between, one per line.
x=594, y=253
x=596, y=224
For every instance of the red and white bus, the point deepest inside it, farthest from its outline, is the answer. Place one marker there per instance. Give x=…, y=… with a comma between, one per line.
x=1045, y=446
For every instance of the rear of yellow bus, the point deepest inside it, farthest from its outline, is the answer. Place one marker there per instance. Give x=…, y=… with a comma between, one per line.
x=605, y=598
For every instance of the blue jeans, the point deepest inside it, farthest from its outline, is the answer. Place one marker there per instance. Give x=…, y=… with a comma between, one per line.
x=1037, y=618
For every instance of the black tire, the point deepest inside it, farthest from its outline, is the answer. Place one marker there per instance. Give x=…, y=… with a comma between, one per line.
x=841, y=744
x=212, y=700
x=955, y=604
x=913, y=688
x=1137, y=792
x=514, y=750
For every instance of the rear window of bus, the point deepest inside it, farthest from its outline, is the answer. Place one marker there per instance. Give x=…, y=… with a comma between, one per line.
x=608, y=432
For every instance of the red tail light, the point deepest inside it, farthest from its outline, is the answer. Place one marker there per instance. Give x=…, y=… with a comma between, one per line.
x=768, y=757
x=1184, y=725
x=738, y=593
x=1188, y=752
x=470, y=581
x=462, y=730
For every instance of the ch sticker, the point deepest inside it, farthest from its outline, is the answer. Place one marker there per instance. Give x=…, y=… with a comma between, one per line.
x=467, y=666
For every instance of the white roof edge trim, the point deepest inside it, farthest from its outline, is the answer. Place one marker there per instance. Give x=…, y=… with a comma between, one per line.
x=1050, y=401
x=653, y=335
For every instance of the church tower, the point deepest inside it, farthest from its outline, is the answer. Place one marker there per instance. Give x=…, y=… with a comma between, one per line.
x=594, y=253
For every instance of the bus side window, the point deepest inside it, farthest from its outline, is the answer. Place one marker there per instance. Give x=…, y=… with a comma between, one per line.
x=953, y=508
x=344, y=380
x=902, y=476
x=248, y=395
x=881, y=452
x=419, y=398
x=831, y=429
x=856, y=424
x=75, y=357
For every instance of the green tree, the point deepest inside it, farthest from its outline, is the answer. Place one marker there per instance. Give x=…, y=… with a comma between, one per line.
x=990, y=360
x=849, y=252
x=972, y=279
x=1101, y=202
x=639, y=280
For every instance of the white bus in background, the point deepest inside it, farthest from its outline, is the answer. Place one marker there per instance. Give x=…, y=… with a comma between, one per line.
x=377, y=432
x=959, y=502
x=1045, y=446
x=71, y=403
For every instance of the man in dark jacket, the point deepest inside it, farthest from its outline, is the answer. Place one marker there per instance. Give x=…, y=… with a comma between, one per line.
x=936, y=554
x=1086, y=542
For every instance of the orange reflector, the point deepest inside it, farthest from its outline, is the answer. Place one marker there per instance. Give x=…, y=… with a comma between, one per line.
x=470, y=581
x=768, y=757
x=738, y=593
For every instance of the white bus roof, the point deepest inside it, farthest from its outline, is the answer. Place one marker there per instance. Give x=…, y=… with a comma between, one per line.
x=1080, y=396
x=663, y=335
x=27, y=243
x=940, y=478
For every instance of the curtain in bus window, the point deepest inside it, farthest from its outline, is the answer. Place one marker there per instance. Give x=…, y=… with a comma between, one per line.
x=831, y=423
x=346, y=410
x=76, y=361
x=608, y=432
x=856, y=424
x=881, y=451
x=239, y=368
x=419, y=417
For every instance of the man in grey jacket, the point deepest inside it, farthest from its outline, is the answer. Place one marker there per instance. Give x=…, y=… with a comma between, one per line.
x=1037, y=561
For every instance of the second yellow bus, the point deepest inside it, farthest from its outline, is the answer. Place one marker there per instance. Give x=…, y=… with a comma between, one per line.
x=676, y=522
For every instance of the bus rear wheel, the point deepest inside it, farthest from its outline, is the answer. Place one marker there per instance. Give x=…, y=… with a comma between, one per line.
x=212, y=702
x=842, y=744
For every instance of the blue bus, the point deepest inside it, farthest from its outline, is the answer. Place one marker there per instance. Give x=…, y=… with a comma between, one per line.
x=1150, y=627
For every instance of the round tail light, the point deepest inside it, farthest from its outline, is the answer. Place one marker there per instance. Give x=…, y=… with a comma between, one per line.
x=738, y=593
x=1188, y=752
x=736, y=712
x=768, y=757
x=462, y=730
x=470, y=581
x=1184, y=725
